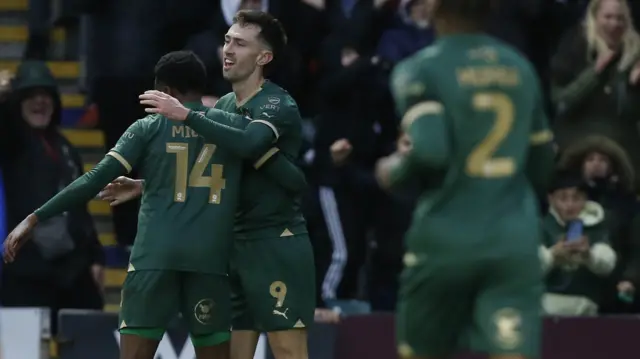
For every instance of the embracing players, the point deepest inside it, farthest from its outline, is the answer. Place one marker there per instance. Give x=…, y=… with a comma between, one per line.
x=272, y=271
x=473, y=111
x=179, y=262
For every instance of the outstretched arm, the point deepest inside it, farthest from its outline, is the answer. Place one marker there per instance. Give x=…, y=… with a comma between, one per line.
x=82, y=189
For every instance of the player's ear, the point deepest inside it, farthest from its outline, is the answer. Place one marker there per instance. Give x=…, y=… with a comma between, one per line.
x=265, y=58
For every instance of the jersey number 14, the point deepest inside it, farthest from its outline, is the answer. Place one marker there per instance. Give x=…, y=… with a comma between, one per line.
x=195, y=177
x=481, y=162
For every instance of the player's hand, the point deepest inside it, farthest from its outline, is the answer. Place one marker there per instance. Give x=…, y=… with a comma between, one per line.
x=340, y=151
x=626, y=287
x=404, y=144
x=18, y=237
x=97, y=273
x=164, y=104
x=604, y=58
x=121, y=190
x=384, y=167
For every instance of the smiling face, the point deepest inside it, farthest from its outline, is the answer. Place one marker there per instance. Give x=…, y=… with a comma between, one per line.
x=243, y=52
x=611, y=21
x=37, y=108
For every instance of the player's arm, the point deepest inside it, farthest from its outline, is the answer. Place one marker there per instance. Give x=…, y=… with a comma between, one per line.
x=541, y=159
x=423, y=123
x=253, y=141
x=282, y=170
x=117, y=162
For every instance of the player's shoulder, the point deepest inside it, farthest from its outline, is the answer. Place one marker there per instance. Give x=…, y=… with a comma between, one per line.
x=509, y=54
x=149, y=121
x=225, y=100
x=275, y=95
x=409, y=76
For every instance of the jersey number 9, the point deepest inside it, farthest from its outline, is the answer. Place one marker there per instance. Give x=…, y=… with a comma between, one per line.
x=195, y=177
x=481, y=163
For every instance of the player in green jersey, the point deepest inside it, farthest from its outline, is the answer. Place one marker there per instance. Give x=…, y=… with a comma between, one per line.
x=473, y=111
x=272, y=270
x=179, y=262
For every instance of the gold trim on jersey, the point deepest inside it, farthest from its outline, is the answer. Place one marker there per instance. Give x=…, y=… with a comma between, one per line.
x=272, y=151
x=541, y=137
x=286, y=233
x=421, y=109
x=271, y=126
x=120, y=159
x=243, y=102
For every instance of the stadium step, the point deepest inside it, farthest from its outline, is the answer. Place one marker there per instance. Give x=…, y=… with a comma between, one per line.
x=62, y=70
x=14, y=5
x=20, y=33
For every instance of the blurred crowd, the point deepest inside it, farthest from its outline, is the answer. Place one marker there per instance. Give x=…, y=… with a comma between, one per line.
x=337, y=65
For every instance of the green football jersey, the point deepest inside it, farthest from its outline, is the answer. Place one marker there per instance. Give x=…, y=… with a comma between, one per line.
x=266, y=209
x=490, y=102
x=190, y=196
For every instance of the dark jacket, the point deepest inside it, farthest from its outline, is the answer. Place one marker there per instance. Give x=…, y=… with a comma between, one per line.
x=36, y=165
x=591, y=103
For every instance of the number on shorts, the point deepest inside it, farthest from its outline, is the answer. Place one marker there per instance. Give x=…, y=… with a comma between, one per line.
x=278, y=290
x=481, y=162
x=215, y=182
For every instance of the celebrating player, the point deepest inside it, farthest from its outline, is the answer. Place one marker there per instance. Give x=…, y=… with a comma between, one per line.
x=473, y=111
x=179, y=261
x=272, y=270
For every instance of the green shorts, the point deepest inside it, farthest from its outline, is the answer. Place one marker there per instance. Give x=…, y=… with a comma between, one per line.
x=489, y=305
x=272, y=284
x=151, y=299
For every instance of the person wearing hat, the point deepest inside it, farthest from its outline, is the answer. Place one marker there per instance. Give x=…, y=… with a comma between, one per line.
x=62, y=266
x=575, y=252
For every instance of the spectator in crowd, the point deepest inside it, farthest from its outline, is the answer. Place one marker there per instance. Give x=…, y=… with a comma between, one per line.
x=355, y=108
x=62, y=266
x=609, y=176
x=411, y=32
x=596, y=78
x=574, y=268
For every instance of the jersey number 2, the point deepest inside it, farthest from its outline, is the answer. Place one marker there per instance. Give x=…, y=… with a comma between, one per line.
x=481, y=162
x=195, y=177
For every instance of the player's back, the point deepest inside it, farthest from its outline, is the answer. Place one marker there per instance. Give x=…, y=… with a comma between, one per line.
x=189, y=200
x=489, y=94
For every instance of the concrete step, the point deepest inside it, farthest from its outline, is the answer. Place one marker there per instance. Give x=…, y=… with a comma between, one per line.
x=14, y=5
x=62, y=70
x=20, y=33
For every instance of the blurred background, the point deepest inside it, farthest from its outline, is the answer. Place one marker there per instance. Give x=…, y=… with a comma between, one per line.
x=71, y=71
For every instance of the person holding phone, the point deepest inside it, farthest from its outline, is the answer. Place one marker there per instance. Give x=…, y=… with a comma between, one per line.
x=575, y=252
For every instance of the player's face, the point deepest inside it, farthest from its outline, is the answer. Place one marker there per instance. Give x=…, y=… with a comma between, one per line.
x=243, y=52
x=568, y=203
x=610, y=21
x=37, y=108
x=596, y=165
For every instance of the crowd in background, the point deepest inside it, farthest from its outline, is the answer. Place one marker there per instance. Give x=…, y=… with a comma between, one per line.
x=337, y=65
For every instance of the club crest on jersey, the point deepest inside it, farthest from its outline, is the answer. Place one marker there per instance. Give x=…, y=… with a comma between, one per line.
x=203, y=311
x=273, y=100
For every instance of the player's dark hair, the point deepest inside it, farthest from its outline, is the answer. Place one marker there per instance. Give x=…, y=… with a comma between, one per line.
x=183, y=71
x=472, y=10
x=271, y=31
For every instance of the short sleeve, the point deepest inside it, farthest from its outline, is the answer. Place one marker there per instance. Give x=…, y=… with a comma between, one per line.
x=131, y=145
x=279, y=113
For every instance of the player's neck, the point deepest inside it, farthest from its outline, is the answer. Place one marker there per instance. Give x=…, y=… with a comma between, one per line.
x=244, y=90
